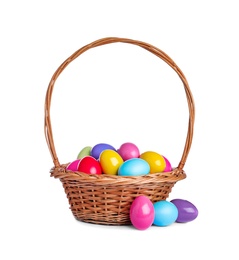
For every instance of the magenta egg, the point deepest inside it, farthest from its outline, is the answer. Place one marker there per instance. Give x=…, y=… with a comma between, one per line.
x=73, y=166
x=128, y=151
x=168, y=167
x=142, y=212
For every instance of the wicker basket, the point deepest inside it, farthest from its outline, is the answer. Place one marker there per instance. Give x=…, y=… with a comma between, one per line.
x=106, y=199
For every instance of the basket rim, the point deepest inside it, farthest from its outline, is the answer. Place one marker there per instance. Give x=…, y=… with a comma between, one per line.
x=103, y=179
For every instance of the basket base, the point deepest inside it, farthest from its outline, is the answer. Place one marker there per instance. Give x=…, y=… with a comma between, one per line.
x=104, y=222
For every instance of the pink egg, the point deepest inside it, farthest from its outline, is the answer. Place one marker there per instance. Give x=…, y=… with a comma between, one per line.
x=73, y=166
x=142, y=212
x=168, y=167
x=128, y=151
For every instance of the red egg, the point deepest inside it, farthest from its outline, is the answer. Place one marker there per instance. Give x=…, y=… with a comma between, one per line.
x=89, y=165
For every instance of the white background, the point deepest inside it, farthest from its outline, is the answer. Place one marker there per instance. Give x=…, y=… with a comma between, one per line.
x=149, y=108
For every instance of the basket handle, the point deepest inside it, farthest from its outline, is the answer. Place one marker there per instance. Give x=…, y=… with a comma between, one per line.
x=148, y=47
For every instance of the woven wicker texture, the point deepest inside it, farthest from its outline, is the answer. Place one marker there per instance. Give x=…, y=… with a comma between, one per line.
x=106, y=199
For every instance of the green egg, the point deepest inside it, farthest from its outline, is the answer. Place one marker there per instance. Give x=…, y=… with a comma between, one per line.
x=84, y=152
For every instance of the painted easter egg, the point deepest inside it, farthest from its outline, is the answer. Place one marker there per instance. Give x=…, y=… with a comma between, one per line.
x=73, y=166
x=166, y=213
x=98, y=148
x=168, y=167
x=134, y=167
x=89, y=165
x=187, y=211
x=142, y=212
x=128, y=151
x=155, y=161
x=110, y=161
x=84, y=152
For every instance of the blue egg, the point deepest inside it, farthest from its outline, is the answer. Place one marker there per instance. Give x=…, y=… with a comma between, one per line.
x=166, y=213
x=98, y=148
x=134, y=167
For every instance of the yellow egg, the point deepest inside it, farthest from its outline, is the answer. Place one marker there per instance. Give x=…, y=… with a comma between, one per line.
x=155, y=161
x=110, y=162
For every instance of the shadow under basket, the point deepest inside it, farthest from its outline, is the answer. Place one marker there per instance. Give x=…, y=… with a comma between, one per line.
x=106, y=199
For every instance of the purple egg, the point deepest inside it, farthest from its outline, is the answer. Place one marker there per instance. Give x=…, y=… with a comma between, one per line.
x=98, y=148
x=186, y=210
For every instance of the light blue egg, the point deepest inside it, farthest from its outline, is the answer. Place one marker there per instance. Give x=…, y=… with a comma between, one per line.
x=134, y=167
x=166, y=213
